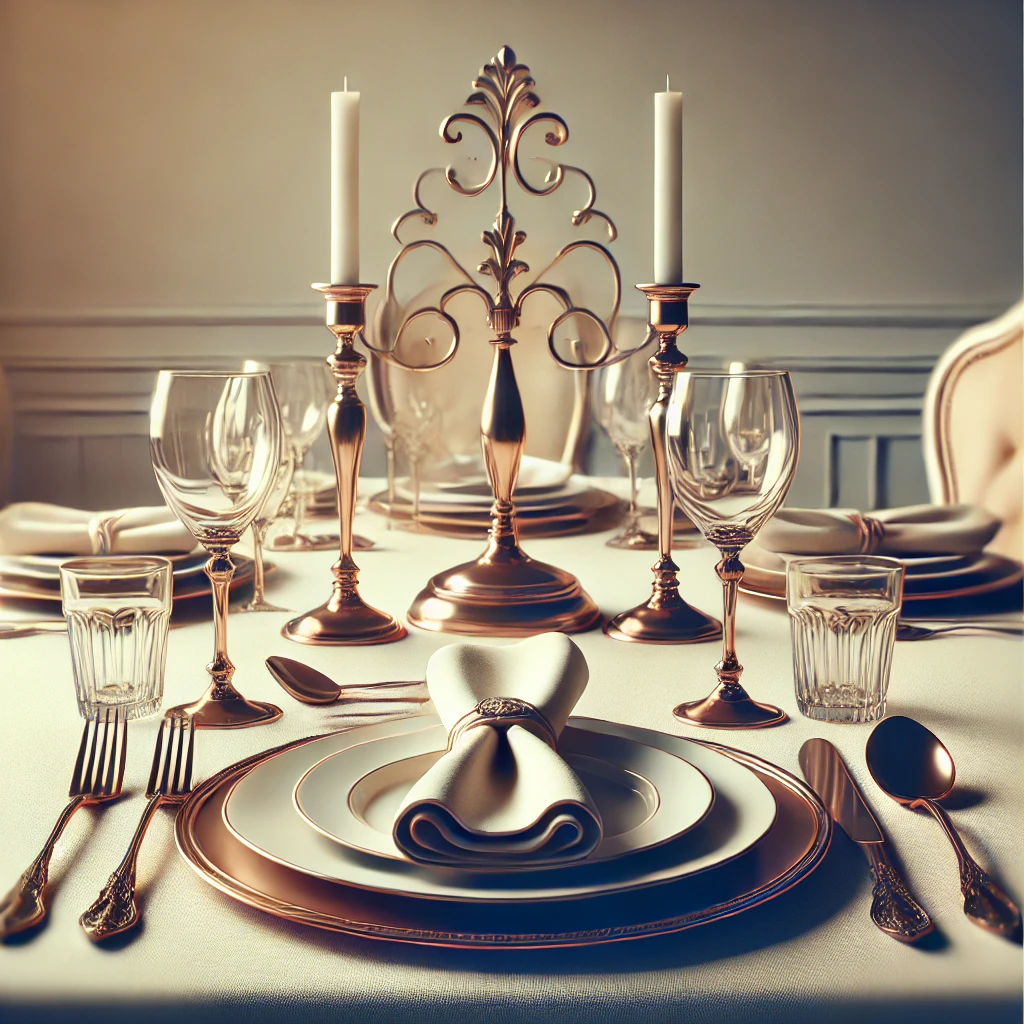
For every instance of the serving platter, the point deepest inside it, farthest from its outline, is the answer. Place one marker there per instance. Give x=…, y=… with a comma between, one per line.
x=646, y=796
x=787, y=854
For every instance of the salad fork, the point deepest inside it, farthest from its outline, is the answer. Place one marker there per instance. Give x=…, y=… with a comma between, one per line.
x=115, y=910
x=97, y=778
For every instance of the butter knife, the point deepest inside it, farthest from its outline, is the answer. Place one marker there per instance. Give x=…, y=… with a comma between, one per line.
x=893, y=909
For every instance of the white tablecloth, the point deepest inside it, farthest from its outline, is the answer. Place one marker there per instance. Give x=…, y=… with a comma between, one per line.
x=808, y=955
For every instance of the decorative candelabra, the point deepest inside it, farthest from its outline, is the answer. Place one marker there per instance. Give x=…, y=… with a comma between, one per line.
x=345, y=618
x=504, y=592
x=665, y=618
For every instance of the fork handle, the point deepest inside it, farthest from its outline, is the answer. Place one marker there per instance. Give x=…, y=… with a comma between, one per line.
x=26, y=904
x=115, y=909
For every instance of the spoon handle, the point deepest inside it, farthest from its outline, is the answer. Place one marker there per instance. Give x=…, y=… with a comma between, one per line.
x=985, y=904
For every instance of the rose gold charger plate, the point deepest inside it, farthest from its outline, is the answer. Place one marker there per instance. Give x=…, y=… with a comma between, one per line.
x=790, y=850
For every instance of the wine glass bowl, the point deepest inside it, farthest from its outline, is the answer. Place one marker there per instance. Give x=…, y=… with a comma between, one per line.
x=733, y=442
x=215, y=445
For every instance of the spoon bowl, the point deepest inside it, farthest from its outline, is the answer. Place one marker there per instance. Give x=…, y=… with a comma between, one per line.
x=912, y=765
x=311, y=686
x=908, y=761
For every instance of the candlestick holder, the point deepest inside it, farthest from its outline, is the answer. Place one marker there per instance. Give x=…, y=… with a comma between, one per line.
x=345, y=618
x=504, y=592
x=665, y=618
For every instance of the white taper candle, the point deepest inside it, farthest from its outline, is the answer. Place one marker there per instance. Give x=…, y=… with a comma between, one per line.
x=668, y=186
x=345, y=187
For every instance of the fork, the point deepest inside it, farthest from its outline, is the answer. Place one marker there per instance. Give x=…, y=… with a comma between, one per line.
x=97, y=778
x=115, y=910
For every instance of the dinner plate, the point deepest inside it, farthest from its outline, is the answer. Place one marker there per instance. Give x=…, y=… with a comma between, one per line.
x=787, y=854
x=646, y=796
x=926, y=579
x=537, y=479
x=261, y=812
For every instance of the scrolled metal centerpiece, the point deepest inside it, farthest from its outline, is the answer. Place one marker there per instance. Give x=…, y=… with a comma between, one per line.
x=504, y=592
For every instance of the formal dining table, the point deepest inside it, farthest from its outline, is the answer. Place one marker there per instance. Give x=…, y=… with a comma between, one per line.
x=812, y=954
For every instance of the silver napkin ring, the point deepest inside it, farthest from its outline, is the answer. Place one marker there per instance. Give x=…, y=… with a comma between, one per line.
x=502, y=713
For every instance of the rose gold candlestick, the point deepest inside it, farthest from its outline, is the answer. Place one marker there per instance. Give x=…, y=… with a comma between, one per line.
x=665, y=618
x=345, y=618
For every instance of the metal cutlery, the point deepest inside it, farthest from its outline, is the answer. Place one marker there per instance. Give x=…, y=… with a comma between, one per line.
x=15, y=629
x=911, y=764
x=310, y=686
x=115, y=910
x=97, y=778
x=893, y=909
x=919, y=631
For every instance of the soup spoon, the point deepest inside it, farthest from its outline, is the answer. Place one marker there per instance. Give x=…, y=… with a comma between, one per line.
x=911, y=764
x=310, y=686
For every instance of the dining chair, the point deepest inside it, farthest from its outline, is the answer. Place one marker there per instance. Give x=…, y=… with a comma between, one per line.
x=973, y=427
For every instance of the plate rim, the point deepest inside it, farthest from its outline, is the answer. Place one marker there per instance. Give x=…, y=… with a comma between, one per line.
x=592, y=859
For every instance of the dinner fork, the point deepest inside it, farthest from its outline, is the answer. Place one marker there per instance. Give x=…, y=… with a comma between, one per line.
x=170, y=781
x=97, y=778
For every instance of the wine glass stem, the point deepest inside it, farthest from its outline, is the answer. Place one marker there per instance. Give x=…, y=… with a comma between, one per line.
x=389, y=454
x=630, y=457
x=730, y=572
x=259, y=535
x=300, y=493
x=220, y=570
x=414, y=465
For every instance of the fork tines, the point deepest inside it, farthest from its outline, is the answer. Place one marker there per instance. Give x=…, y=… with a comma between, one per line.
x=99, y=767
x=173, y=747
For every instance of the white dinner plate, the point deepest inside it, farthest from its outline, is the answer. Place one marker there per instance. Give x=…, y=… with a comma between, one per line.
x=261, y=812
x=482, y=498
x=645, y=796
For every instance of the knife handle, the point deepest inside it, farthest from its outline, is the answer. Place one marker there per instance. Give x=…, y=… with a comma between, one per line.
x=893, y=909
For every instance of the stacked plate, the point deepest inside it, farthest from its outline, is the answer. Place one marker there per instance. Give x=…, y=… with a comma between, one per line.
x=549, y=501
x=934, y=578
x=693, y=832
x=37, y=577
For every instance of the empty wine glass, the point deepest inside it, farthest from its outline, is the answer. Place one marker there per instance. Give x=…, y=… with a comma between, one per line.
x=215, y=443
x=416, y=423
x=624, y=394
x=304, y=390
x=263, y=521
x=733, y=441
x=383, y=411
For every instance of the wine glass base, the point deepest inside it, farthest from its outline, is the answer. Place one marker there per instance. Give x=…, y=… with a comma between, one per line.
x=506, y=594
x=348, y=624
x=634, y=540
x=315, y=542
x=674, y=623
x=717, y=711
x=263, y=606
x=234, y=713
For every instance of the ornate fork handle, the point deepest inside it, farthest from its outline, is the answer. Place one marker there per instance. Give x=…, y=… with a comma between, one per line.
x=985, y=903
x=115, y=910
x=893, y=909
x=26, y=904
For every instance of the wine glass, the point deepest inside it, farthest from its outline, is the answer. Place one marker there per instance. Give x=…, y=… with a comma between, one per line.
x=304, y=390
x=215, y=443
x=263, y=521
x=382, y=408
x=624, y=394
x=416, y=424
x=733, y=441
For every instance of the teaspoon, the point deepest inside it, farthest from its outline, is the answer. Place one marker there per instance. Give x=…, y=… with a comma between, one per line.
x=310, y=686
x=911, y=764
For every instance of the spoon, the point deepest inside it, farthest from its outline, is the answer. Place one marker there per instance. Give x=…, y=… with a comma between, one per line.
x=909, y=631
x=911, y=765
x=308, y=685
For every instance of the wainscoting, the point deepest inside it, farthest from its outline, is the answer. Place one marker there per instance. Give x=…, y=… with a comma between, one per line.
x=81, y=425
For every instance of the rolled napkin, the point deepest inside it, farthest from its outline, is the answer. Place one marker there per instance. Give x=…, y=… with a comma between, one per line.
x=501, y=796
x=33, y=528
x=914, y=530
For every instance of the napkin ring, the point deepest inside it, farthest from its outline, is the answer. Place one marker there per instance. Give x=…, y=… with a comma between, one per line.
x=502, y=713
x=871, y=532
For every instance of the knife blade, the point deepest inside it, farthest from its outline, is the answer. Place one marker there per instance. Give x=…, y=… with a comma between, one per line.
x=893, y=910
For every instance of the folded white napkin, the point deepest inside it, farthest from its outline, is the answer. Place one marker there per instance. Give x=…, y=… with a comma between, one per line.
x=502, y=796
x=914, y=530
x=33, y=528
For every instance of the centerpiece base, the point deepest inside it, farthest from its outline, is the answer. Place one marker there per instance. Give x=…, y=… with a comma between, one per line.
x=504, y=593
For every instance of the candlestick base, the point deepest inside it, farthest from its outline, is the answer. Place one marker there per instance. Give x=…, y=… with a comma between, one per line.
x=504, y=593
x=657, y=621
x=729, y=707
x=233, y=712
x=344, y=623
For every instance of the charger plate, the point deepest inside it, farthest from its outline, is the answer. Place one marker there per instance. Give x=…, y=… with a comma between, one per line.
x=646, y=796
x=788, y=853
x=261, y=812
x=926, y=579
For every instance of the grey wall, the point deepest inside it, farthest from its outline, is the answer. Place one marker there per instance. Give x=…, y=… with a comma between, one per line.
x=852, y=181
